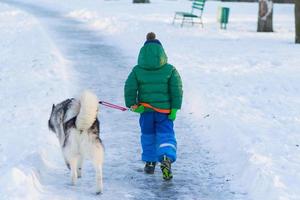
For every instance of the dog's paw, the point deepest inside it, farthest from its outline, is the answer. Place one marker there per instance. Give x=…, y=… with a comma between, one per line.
x=74, y=180
x=79, y=173
x=99, y=190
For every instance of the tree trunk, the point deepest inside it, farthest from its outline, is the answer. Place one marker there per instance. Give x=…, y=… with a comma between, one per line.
x=141, y=1
x=297, y=20
x=265, y=16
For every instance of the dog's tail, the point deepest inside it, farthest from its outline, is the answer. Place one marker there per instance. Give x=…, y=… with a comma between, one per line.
x=88, y=111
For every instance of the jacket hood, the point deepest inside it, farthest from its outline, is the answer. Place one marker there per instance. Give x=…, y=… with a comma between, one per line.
x=152, y=56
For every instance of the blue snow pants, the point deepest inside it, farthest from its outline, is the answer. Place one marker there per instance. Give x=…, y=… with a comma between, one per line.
x=158, y=137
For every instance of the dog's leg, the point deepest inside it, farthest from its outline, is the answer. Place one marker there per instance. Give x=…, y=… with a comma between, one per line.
x=97, y=158
x=99, y=183
x=73, y=165
x=67, y=162
x=79, y=166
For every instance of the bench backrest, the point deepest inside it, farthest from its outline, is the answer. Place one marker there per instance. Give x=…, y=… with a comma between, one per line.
x=198, y=5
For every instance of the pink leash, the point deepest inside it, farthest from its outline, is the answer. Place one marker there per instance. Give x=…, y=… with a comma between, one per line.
x=113, y=106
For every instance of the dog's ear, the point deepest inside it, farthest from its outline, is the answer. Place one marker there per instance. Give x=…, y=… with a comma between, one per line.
x=53, y=106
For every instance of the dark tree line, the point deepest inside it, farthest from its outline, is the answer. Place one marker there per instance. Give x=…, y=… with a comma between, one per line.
x=297, y=21
x=141, y=1
x=275, y=1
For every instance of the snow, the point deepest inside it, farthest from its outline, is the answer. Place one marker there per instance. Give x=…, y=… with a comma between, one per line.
x=237, y=131
x=30, y=72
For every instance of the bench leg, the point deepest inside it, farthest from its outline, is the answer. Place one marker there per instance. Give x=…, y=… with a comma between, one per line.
x=182, y=21
x=201, y=22
x=174, y=19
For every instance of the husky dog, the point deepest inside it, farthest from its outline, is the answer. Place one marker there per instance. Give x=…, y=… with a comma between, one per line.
x=76, y=125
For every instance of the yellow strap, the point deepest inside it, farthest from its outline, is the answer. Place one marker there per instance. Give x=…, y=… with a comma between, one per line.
x=166, y=111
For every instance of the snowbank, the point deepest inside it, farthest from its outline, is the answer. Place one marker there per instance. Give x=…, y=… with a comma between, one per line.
x=33, y=76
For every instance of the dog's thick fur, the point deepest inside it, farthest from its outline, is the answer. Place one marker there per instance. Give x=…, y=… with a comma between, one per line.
x=76, y=125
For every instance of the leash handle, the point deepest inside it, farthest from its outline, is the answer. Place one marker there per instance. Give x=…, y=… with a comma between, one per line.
x=113, y=106
x=165, y=111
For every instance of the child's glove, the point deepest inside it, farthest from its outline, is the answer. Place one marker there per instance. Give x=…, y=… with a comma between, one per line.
x=138, y=109
x=172, y=115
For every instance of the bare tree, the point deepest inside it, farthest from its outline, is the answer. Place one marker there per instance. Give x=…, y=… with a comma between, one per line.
x=265, y=16
x=141, y=1
x=297, y=20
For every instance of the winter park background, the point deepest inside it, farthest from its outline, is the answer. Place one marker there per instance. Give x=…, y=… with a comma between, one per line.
x=238, y=130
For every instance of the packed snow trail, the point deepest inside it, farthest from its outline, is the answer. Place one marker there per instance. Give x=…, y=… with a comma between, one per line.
x=103, y=69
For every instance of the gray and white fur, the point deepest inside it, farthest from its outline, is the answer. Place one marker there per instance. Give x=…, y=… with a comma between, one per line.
x=76, y=125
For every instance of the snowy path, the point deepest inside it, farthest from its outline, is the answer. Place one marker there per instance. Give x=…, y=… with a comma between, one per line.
x=103, y=68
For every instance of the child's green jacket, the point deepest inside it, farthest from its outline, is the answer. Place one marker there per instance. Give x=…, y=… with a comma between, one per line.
x=153, y=80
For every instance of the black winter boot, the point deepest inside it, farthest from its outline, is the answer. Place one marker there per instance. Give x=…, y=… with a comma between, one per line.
x=166, y=168
x=149, y=167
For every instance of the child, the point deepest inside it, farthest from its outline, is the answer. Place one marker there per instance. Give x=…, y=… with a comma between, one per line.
x=154, y=89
